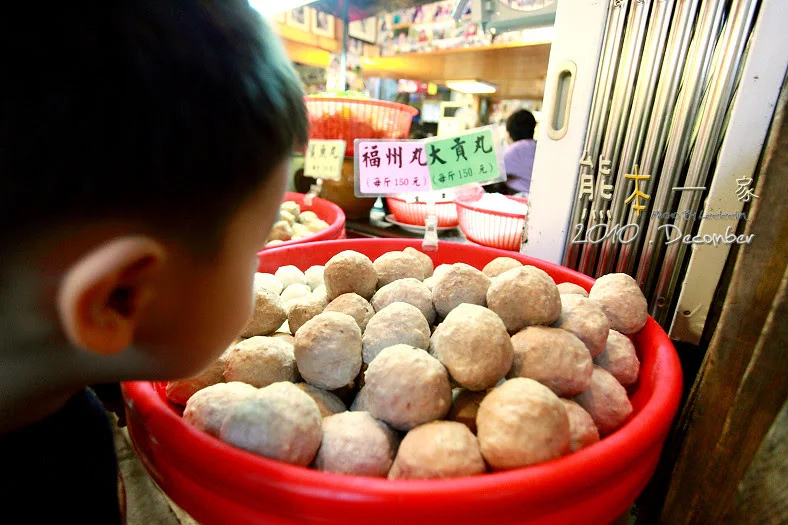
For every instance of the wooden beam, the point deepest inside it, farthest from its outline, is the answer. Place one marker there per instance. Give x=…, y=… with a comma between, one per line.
x=741, y=386
x=763, y=497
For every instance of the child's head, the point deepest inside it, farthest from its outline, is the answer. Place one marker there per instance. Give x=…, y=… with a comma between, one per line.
x=143, y=155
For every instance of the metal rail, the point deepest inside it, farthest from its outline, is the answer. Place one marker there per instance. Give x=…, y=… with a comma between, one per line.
x=686, y=112
x=653, y=148
x=600, y=107
x=710, y=132
x=639, y=117
x=616, y=128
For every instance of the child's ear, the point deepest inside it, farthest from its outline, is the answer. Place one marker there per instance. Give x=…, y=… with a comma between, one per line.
x=101, y=297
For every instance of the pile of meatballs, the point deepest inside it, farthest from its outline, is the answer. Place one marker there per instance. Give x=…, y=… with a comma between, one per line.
x=393, y=368
x=294, y=224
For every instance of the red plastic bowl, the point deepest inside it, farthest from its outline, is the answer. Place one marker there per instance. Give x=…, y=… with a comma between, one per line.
x=496, y=229
x=217, y=483
x=325, y=210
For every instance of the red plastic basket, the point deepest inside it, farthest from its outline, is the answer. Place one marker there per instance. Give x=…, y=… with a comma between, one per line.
x=496, y=229
x=416, y=212
x=325, y=210
x=217, y=483
x=357, y=118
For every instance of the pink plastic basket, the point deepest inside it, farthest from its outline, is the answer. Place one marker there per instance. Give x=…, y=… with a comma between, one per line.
x=416, y=212
x=496, y=229
x=326, y=211
x=357, y=118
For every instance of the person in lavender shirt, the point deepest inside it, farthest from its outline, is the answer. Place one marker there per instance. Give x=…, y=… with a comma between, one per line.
x=519, y=156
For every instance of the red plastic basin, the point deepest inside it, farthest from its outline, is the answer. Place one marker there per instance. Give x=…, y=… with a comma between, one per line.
x=326, y=211
x=217, y=483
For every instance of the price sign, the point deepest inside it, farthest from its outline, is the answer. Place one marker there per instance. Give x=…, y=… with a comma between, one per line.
x=385, y=167
x=324, y=159
x=463, y=159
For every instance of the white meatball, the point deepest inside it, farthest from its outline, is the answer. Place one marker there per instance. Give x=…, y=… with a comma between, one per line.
x=300, y=231
x=290, y=275
x=308, y=216
x=295, y=291
x=280, y=422
x=291, y=207
x=314, y=276
x=207, y=409
x=269, y=282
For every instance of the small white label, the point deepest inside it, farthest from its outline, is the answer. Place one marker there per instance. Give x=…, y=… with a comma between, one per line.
x=324, y=159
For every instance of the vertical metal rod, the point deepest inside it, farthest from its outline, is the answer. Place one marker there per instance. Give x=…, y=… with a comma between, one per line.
x=693, y=84
x=637, y=126
x=717, y=102
x=345, y=6
x=665, y=100
x=614, y=29
x=615, y=130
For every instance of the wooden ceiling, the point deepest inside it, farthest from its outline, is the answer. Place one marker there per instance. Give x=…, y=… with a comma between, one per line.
x=518, y=71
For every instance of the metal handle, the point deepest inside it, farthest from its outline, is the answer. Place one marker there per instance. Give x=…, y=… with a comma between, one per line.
x=562, y=100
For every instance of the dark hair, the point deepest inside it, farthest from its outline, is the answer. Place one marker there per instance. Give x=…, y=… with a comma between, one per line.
x=168, y=113
x=521, y=125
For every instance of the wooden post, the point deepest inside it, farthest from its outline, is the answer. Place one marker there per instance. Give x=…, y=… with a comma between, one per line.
x=742, y=383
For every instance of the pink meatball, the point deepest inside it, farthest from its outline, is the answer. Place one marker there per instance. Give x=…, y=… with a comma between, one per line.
x=524, y=297
x=441, y=449
x=619, y=358
x=606, y=400
x=554, y=357
x=582, y=429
